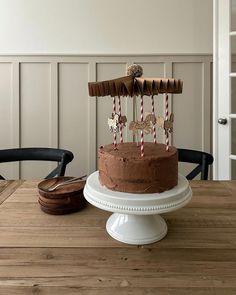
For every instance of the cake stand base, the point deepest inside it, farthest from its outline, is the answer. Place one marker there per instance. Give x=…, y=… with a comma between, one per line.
x=136, y=218
x=136, y=229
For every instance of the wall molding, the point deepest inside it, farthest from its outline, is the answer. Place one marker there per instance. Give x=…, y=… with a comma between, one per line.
x=62, y=89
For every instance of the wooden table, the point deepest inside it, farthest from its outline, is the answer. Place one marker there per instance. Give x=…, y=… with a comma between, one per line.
x=73, y=254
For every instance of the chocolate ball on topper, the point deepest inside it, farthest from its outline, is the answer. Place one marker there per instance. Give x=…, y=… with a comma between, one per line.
x=134, y=70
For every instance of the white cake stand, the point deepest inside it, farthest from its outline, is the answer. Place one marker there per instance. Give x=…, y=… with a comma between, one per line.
x=136, y=220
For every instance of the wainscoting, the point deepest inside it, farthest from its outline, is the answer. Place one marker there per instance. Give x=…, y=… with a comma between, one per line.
x=44, y=102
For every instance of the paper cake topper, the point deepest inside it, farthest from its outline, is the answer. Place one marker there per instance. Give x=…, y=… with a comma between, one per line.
x=115, y=121
x=130, y=86
x=146, y=125
x=167, y=125
x=134, y=85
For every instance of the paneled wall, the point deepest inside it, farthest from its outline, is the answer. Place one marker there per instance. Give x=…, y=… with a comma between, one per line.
x=44, y=102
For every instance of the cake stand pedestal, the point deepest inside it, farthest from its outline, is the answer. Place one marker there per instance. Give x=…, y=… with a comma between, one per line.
x=135, y=219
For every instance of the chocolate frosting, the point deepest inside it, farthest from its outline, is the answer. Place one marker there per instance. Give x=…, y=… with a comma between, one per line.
x=125, y=170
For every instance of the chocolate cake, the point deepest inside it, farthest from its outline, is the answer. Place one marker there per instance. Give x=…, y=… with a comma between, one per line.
x=149, y=167
x=125, y=170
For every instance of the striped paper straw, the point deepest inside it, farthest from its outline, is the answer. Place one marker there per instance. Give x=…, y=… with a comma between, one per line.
x=142, y=137
x=153, y=127
x=121, y=124
x=136, y=116
x=166, y=118
x=114, y=133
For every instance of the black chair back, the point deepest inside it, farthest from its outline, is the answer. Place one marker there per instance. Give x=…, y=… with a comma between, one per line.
x=204, y=160
x=63, y=157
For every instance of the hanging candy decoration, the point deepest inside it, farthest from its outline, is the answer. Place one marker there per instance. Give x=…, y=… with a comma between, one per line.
x=142, y=137
x=166, y=119
x=153, y=127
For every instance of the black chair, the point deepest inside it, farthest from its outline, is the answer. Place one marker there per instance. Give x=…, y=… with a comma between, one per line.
x=63, y=157
x=196, y=157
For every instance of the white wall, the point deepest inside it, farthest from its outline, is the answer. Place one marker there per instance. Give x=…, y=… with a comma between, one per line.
x=105, y=26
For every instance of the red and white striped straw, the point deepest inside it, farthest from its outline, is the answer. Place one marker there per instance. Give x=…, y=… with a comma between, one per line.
x=142, y=137
x=136, y=116
x=153, y=127
x=166, y=118
x=114, y=133
x=121, y=124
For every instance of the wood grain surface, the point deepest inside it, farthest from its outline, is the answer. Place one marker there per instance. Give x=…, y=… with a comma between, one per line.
x=73, y=254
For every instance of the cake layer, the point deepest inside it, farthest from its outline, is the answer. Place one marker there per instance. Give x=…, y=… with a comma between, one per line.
x=125, y=170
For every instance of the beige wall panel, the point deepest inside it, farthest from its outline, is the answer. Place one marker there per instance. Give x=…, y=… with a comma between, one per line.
x=187, y=108
x=106, y=71
x=73, y=114
x=35, y=109
x=6, y=104
x=50, y=96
